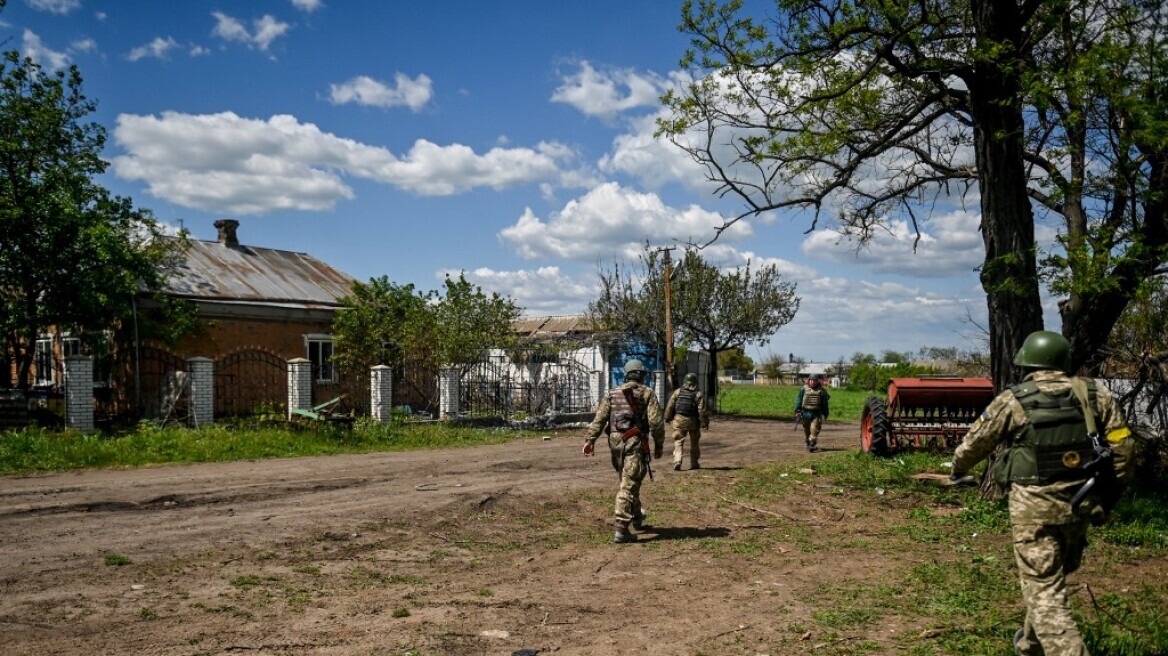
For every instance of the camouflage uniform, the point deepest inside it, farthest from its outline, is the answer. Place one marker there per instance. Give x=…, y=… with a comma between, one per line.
x=626, y=456
x=1049, y=537
x=687, y=426
x=812, y=419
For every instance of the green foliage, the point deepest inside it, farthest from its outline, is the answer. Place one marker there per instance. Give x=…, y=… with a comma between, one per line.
x=39, y=450
x=117, y=560
x=872, y=377
x=470, y=321
x=735, y=359
x=74, y=256
x=381, y=323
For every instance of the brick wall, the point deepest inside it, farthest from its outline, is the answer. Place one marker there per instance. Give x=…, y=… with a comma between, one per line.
x=220, y=336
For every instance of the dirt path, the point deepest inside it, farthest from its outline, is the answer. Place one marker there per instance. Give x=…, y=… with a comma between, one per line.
x=369, y=554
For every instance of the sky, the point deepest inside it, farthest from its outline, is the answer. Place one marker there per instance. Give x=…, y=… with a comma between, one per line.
x=508, y=140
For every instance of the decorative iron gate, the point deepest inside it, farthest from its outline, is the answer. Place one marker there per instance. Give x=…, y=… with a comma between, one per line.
x=510, y=389
x=154, y=382
x=249, y=380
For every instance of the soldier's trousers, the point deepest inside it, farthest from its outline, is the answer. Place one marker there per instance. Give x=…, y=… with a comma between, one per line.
x=1045, y=555
x=684, y=427
x=628, y=497
x=811, y=426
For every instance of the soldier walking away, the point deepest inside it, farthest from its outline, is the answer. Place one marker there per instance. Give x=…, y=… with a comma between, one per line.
x=1061, y=474
x=629, y=415
x=811, y=409
x=687, y=410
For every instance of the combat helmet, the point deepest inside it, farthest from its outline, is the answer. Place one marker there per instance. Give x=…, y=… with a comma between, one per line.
x=690, y=379
x=1044, y=349
x=635, y=370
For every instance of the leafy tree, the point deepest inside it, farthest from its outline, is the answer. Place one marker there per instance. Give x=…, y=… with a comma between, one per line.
x=468, y=322
x=382, y=323
x=872, y=110
x=713, y=309
x=735, y=359
x=73, y=256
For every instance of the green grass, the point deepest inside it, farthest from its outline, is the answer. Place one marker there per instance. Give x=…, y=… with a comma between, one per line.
x=40, y=450
x=778, y=401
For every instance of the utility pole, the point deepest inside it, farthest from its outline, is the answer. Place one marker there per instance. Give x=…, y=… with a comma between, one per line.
x=668, y=322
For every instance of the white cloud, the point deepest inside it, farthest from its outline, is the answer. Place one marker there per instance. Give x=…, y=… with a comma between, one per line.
x=267, y=29
x=54, y=6
x=653, y=161
x=83, y=45
x=227, y=163
x=543, y=291
x=364, y=90
x=198, y=51
x=159, y=48
x=37, y=51
x=606, y=93
x=308, y=6
x=612, y=222
x=950, y=245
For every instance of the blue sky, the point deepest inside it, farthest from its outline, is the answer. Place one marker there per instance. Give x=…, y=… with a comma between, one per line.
x=510, y=140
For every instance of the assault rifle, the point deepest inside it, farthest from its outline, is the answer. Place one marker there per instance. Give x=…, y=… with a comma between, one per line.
x=1101, y=468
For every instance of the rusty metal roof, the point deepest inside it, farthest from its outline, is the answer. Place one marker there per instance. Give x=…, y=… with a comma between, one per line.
x=556, y=326
x=212, y=270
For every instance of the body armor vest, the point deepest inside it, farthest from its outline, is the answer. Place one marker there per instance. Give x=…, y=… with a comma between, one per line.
x=1054, y=444
x=687, y=404
x=811, y=398
x=622, y=415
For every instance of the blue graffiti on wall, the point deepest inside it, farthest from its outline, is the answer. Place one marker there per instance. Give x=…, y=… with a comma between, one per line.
x=619, y=355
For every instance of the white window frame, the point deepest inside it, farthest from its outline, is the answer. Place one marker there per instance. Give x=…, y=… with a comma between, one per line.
x=45, y=362
x=323, y=370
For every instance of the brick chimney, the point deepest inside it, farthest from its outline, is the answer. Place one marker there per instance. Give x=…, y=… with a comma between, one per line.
x=226, y=228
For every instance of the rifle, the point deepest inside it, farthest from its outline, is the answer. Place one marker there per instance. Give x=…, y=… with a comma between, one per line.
x=1101, y=468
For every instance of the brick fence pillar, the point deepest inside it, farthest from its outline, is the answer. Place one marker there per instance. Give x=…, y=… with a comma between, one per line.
x=79, y=393
x=299, y=385
x=201, y=374
x=448, y=391
x=659, y=386
x=381, y=393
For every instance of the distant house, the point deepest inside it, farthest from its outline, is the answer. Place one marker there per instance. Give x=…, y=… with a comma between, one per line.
x=257, y=308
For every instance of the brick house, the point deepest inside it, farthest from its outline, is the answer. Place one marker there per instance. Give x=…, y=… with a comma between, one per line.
x=257, y=309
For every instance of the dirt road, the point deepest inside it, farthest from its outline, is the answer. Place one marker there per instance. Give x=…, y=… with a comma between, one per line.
x=463, y=551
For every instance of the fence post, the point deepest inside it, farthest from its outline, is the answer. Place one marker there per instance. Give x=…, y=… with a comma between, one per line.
x=79, y=393
x=659, y=386
x=596, y=383
x=381, y=393
x=201, y=373
x=299, y=385
x=448, y=391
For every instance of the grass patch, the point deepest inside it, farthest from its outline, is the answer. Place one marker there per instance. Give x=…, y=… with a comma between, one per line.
x=117, y=560
x=778, y=401
x=40, y=450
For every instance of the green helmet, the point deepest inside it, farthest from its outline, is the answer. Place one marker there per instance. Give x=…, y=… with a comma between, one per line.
x=691, y=379
x=635, y=369
x=1044, y=349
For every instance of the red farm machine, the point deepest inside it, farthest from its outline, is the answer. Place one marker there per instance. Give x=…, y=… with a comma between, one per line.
x=928, y=413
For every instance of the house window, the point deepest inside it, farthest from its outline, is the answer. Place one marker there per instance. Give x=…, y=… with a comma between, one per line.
x=43, y=361
x=320, y=352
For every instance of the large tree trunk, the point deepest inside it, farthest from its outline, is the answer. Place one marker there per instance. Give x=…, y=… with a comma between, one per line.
x=1009, y=275
x=1010, y=272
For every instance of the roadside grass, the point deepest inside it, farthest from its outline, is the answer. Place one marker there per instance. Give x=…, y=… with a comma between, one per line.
x=778, y=401
x=42, y=450
x=958, y=579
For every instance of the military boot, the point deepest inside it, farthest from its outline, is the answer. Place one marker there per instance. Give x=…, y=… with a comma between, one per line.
x=622, y=535
x=639, y=520
x=1018, y=638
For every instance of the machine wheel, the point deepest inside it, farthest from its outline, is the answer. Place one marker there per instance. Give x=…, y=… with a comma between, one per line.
x=875, y=427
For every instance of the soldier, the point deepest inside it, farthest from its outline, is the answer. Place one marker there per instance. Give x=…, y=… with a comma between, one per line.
x=1046, y=423
x=687, y=410
x=629, y=414
x=811, y=409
